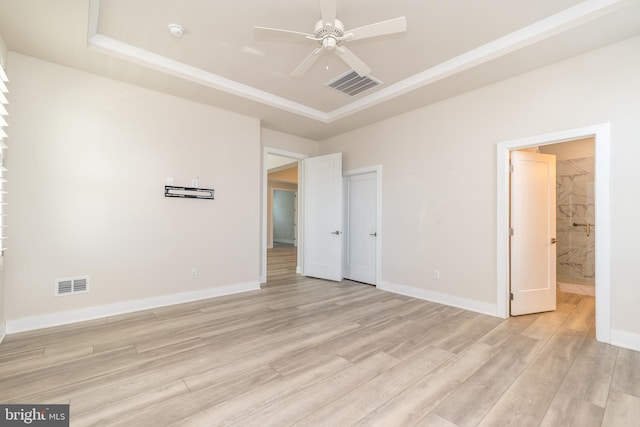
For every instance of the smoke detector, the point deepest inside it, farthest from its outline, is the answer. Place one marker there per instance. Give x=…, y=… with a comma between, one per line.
x=176, y=30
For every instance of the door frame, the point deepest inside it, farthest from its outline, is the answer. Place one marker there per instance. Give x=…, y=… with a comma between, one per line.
x=263, y=202
x=601, y=134
x=377, y=169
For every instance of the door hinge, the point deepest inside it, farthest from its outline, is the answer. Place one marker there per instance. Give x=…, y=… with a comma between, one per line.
x=510, y=168
x=510, y=296
x=511, y=232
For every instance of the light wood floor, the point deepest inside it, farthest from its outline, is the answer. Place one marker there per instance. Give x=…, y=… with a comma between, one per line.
x=313, y=353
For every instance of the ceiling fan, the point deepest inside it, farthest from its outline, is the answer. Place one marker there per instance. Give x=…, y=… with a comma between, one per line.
x=329, y=32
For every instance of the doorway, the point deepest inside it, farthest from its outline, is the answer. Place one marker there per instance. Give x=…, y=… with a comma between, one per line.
x=575, y=213
x=601, y=135
x=313, y=174
x=281, y=163
x=552, y=237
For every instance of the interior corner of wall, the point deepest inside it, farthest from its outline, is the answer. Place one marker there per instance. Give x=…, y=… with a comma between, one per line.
x=3, y=331
x=4, y=52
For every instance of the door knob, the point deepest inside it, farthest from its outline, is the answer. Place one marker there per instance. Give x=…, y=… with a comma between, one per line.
x=373, y=234
x=337, y=232
x=553, y=240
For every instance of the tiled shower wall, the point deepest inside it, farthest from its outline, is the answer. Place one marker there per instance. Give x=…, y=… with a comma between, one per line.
x=575, y=203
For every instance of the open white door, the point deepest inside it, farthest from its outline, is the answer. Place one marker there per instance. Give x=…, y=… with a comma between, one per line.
x=533, y=224
x=360, y=228
x=322, y=217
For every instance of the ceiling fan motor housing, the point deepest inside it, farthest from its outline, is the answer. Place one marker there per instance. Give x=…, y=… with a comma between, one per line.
x=336, y=30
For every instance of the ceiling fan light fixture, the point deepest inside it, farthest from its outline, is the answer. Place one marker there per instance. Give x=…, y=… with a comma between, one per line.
x=329, y=43
x=176, y=30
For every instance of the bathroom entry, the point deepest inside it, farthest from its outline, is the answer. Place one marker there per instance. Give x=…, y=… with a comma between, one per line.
x=575, y=213
x=571, y=247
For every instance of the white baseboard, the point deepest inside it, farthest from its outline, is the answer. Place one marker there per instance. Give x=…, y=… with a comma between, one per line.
x=625, y=339
x=285, y=241
x=3, y=331
x=90, y=313
x=446, y=299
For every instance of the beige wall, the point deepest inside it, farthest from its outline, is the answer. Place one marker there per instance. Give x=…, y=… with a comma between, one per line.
x=89, y=160
x=289, y=175
x=284, y=141
x=3, y=52
x=439, y=173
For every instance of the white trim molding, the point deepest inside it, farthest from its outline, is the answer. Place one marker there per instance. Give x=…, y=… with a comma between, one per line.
x=3, y=331
x=437, y=297
x=91, y=313
x=625, y=339
x=546, y=28
x=601, y=134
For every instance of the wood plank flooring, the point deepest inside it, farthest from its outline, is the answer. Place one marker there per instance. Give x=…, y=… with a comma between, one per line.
x=307, y=352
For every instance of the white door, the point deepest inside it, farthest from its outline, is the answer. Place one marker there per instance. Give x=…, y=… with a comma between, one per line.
x=533, y=224
x=322, y=217
x=360, y=228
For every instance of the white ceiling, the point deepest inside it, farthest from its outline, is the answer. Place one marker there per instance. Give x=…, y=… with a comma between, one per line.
x=450, y=47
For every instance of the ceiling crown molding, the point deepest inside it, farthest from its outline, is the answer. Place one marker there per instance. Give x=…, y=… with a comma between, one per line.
x=565, y=20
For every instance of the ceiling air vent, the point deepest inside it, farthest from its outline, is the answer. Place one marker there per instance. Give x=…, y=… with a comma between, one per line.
x=77, y=285
x=352, y=84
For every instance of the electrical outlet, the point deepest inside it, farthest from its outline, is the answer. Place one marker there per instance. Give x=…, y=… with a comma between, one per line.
x=169, y=180
x=436, y=275
x=195, y=182
x=194, y=273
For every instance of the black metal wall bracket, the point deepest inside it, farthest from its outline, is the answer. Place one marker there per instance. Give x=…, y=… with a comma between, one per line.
x=188, y=192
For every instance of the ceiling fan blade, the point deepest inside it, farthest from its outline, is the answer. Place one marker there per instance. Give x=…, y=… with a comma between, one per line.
x=328, y=12
x=392, y=26
x=353, y=61
x=307, y=63
x=283, y=33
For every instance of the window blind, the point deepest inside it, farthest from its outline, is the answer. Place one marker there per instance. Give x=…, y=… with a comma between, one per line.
x=3, y=147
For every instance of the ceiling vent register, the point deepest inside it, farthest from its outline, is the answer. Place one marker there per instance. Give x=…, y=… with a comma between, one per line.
x=352, y=84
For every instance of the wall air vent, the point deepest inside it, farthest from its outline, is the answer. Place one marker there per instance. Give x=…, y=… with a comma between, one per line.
x=76, y=285
x=352, y=84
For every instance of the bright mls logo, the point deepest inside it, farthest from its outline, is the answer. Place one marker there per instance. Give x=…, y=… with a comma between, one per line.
x=34, y=415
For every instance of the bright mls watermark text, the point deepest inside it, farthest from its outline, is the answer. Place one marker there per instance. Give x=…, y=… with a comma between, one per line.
x=34, y=415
